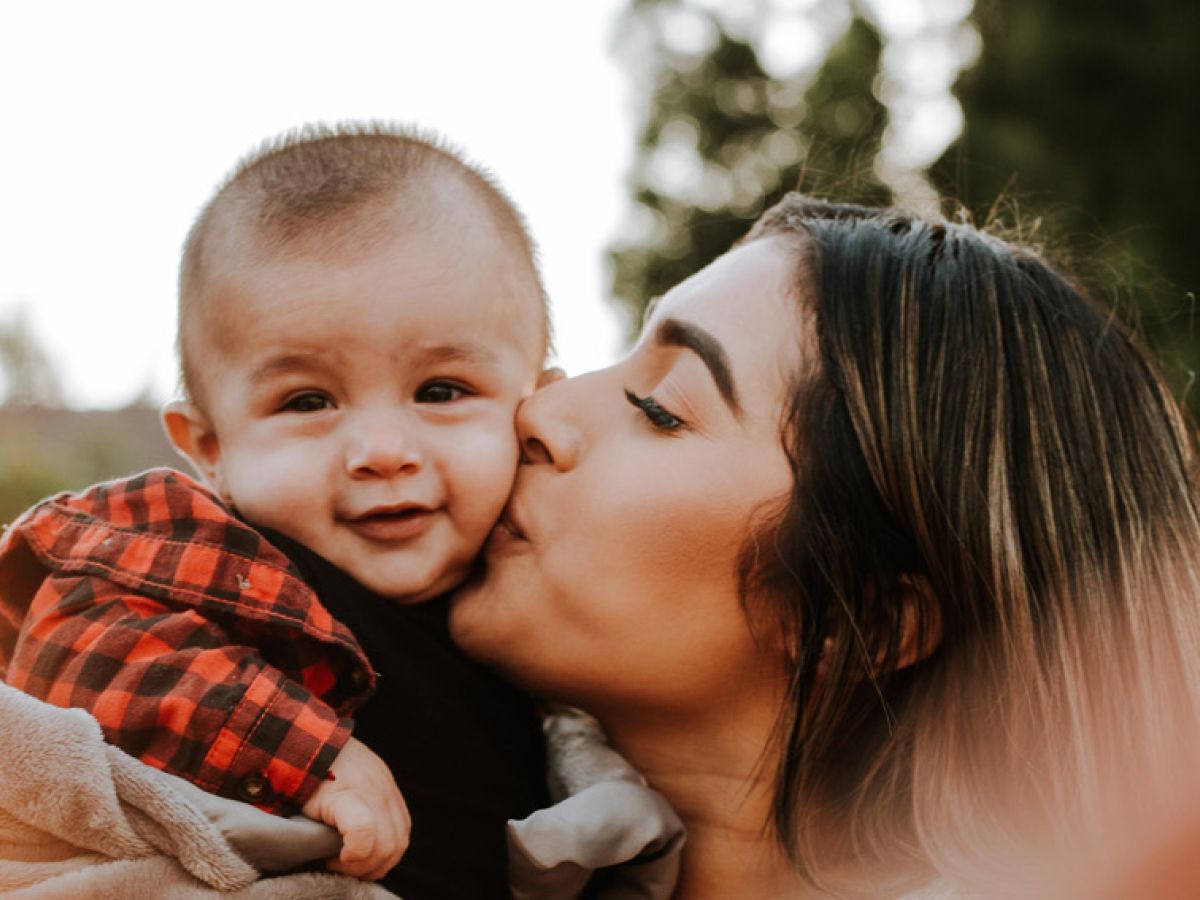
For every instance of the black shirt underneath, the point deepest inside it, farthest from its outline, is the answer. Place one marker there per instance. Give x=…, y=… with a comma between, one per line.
x=464, y=747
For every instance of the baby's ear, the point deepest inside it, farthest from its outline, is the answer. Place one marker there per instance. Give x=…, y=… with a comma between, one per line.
x=550, y=375
x=193, y=437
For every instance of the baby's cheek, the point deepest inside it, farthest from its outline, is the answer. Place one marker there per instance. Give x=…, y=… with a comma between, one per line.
x=482, y=472
x=276, y=492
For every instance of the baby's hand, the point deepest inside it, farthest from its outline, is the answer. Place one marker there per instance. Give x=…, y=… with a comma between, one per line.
x=363, y=803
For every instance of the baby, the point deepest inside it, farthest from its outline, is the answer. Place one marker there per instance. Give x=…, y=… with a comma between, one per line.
x=360, y=314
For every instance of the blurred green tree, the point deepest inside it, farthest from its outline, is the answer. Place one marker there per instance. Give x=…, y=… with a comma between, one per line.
x=45, y=447
x=1083, y=113
x=722, y=138
x=45, y=450
x=1080, y=124
x=26, y=373
x=26, y=476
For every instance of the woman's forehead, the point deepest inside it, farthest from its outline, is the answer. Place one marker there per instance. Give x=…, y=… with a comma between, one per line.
x=745, y=302
x=760, y=270
x=746, y=295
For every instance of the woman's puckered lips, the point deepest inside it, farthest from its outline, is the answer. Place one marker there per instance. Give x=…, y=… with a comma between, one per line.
x=508, y=530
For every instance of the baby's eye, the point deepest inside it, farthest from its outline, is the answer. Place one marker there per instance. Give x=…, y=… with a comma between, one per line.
x=440, y=392
x=307, y=402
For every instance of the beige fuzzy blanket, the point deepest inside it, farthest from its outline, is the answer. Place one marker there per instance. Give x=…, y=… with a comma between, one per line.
x=79, y=818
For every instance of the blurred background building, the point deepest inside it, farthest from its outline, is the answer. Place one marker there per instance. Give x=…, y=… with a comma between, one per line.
x=1070, y=124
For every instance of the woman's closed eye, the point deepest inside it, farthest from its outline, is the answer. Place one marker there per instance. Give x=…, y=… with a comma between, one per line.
x=656, y=414
x=307, y=402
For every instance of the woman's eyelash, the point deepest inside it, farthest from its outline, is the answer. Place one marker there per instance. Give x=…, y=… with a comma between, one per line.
x=658, y=416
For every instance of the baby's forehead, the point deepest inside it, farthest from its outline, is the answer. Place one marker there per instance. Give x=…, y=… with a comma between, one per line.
x=401, y=297
x=244, y=249
x=326, y=198
x=244, y=234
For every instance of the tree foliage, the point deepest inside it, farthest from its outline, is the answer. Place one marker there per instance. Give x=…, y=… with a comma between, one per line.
x=46, y=450
x=1083, y=113
x=1080, y=115
x=723, y=139
x=26, y=374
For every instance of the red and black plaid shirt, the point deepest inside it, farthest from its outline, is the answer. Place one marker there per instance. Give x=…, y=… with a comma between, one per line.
x=191, y=639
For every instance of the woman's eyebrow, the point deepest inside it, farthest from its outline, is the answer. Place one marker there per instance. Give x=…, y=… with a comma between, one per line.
x=676, y=333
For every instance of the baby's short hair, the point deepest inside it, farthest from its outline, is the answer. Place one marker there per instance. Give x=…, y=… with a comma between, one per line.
x=309, y=188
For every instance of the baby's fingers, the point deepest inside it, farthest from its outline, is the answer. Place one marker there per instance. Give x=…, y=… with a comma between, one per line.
x=353, y=818
x=390, y=844
x=393, y=841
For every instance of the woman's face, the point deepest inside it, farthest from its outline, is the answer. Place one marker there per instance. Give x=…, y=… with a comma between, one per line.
x=613, y=577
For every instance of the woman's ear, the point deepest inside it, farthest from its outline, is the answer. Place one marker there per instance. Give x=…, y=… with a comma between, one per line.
x=920, y=628
x=920, y=621
x=827, y=648
x=191, y=434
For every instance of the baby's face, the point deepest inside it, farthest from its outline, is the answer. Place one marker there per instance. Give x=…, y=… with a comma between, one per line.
x=364, y=406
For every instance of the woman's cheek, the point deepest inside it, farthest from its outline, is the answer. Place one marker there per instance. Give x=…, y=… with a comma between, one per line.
x=685, y=533
x=605, y=592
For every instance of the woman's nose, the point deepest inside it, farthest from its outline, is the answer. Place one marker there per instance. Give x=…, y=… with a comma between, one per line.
x=383, y=447
x=546, y=426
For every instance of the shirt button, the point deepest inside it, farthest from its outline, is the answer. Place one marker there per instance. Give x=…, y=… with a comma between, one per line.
x=253, y=789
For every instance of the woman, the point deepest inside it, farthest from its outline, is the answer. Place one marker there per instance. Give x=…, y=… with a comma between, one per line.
x=878, y=555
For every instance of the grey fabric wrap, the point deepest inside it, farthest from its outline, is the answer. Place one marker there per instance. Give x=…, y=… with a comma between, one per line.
x=605, y=817
x=80, y=818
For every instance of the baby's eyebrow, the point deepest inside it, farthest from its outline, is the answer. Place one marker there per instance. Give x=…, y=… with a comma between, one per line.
x=312, y=360
x=468, y=351
x=288, y=362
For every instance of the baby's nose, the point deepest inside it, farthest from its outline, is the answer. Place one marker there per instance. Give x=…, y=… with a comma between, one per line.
x=383, y=449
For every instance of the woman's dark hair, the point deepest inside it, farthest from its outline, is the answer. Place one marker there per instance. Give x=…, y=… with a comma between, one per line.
x=988, y=468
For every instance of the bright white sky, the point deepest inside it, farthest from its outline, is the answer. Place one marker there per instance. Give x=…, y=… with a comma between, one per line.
x=120, y=116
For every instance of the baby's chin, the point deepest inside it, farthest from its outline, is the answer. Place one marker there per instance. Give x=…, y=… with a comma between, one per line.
x=407, y=592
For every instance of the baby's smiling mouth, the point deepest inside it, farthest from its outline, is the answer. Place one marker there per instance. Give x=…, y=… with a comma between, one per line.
x=398, y=522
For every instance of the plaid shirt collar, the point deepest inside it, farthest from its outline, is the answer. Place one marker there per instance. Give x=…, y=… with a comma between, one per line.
x=164, y=535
